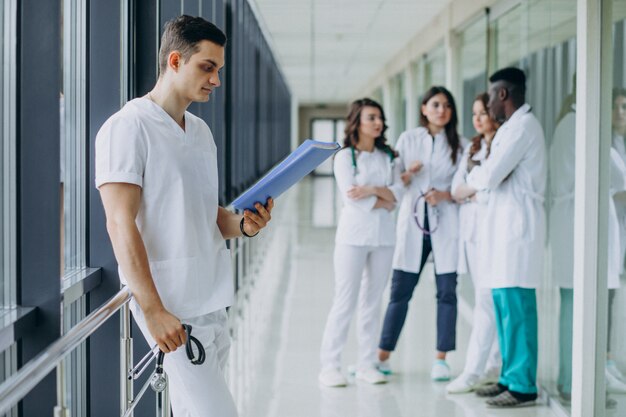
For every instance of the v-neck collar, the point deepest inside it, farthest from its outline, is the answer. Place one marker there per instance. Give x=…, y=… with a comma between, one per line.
x=168, y=119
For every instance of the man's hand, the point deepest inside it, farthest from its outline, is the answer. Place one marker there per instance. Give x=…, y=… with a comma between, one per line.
x=254, y=222
x=166, y=330
x=359, y=192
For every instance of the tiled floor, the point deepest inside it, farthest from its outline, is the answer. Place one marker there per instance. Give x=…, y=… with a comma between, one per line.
x=285, y=384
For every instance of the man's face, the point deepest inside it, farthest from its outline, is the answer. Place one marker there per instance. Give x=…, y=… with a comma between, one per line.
x=496, y=105
x=197, y=77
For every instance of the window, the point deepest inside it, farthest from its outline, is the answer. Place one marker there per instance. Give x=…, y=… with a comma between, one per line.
x=72, y=185
x=7, y=154
x=73, y=137
x=8, y=357
x=472, y=70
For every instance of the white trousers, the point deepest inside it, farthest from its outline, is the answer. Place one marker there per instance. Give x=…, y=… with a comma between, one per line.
x=361, y=274
x=483, y=351
x=198, y=390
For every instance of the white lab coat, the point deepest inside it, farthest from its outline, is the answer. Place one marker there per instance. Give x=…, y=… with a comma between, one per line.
x=562, y=173
x=472, y=215
x=437, y=172
x=515, y=175
x=359, y=223
x=620, y=202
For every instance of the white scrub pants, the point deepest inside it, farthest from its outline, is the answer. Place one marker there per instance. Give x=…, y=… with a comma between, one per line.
x=483, y=351
x=361, y=274
x=198, y=390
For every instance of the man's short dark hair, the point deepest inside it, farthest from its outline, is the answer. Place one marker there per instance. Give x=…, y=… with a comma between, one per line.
x=183, y=34
x=515, y=80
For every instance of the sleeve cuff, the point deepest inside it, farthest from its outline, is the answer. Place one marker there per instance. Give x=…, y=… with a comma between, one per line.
x=125, y=177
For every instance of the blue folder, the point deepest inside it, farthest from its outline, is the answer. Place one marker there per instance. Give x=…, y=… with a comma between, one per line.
x=292, y=169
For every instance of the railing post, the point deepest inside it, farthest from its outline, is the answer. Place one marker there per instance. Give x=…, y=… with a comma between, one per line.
x=126, y=362
x=163, y=400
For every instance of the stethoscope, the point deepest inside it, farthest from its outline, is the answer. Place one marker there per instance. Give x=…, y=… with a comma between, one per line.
x=158, y=381
x=434, y=216
x=355, y=168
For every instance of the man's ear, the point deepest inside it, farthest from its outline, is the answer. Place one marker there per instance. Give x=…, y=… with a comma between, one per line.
x=173, y=60
x=503, y=93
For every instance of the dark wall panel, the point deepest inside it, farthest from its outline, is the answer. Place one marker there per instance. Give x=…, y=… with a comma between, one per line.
x=104, y=100
x=38, y=191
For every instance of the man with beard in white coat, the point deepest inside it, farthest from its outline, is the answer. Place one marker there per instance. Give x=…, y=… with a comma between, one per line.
x=515, y=175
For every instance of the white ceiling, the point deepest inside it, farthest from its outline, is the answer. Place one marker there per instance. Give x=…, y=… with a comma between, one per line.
x=329, y=49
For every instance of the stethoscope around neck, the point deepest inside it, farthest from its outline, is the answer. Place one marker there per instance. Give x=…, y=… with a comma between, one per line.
x=355, y=168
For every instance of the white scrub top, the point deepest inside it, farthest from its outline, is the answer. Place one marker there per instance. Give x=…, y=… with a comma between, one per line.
x=360, y=224
x=177, y=171
x=472, y=214
x=562, y=173
x=437, y=172
x=515, y=175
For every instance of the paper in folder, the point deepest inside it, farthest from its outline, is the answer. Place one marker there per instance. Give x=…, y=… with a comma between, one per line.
x=292, y=169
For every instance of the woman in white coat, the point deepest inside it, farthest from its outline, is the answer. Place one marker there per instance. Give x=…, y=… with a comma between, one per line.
x=427, y=221
x=369, y=183
x=482, y=363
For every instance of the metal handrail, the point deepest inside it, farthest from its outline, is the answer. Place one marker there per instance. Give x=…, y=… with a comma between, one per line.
x=21, y=383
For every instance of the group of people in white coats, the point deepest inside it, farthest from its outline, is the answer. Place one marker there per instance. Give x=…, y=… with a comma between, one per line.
x=476, y=206
x=562, y=164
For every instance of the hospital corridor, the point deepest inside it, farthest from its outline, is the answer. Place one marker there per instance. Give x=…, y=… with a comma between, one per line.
x=283, y=377
x=313, y=208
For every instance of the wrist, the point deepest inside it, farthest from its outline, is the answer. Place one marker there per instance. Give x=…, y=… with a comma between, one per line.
x=243, y=230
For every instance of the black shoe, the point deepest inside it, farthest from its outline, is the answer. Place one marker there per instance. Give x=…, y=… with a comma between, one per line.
x=491, y=390
x=508, y=400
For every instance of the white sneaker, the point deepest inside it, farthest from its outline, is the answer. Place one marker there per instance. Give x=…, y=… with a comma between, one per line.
x=614, y=385
x=371, y=376
x=462, y=384
x=491, y=376
x=384, y=367
x=614, y=370
x=332, y=377
x=440, y=371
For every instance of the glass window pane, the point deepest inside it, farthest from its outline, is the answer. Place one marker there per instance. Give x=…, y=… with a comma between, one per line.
x=472, y=65
x=72, y=185
x=539, y=36
x=73, y=137
x=615, y=371
x=435, y=68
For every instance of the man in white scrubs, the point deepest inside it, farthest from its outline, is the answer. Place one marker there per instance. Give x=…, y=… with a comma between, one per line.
x=513, y=236
x=156, y=169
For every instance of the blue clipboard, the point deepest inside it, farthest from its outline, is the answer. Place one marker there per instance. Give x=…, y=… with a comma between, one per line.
x=292, y=169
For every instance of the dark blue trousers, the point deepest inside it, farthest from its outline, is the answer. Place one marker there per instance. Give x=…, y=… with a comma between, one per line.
x=402, y=285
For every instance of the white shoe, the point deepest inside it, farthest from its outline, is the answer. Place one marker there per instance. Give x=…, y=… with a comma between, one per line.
x=614, y=385
x=440, y=371
x=384, y=367
x=491, y=376
x=371, y=376
x=614, y=370
x=332, y=377
x=462, y=384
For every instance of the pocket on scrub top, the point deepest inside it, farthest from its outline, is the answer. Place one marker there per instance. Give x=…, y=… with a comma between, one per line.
x=176, y=281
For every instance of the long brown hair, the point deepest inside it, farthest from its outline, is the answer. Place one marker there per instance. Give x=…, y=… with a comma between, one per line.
x=476, y=140
x=351, y=132
x=452, y=135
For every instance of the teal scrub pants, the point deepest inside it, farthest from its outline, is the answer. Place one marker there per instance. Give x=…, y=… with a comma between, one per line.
x=516, y=321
